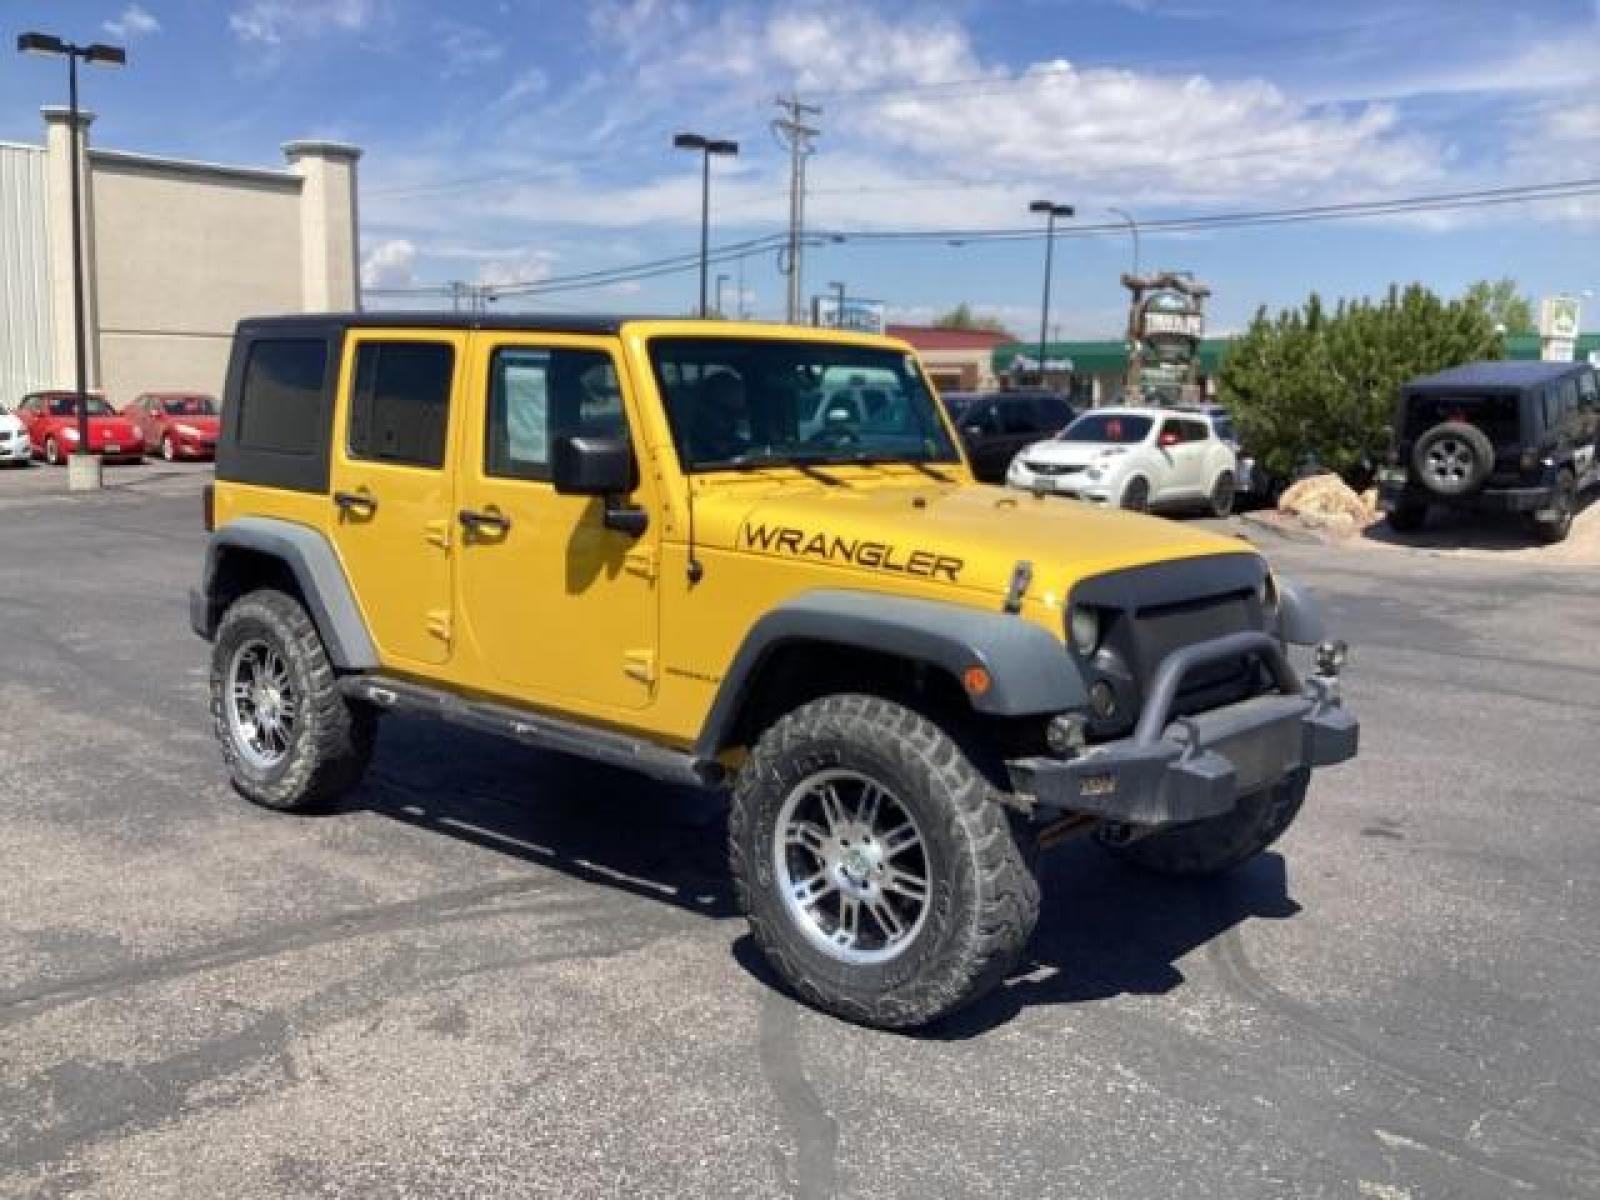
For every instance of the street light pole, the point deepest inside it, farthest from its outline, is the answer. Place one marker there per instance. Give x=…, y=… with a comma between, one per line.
x=707, y=147
x=1051, y=211
x=1133, y=229
x=101, y=55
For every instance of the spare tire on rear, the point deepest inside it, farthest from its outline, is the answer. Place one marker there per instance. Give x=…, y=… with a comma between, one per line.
x=1453, y=459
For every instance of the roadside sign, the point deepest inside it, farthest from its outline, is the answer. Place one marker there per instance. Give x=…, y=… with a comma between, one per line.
x=859, y=316
x=1559, y=318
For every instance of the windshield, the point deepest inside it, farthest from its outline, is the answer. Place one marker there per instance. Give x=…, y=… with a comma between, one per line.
x=1107, y=427
x=67, y=406
x=189, y=406
x=738, y=402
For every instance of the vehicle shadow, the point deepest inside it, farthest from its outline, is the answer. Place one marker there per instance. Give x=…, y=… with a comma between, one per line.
x=1105, y=929
x=1449, y=529
x=590, y=822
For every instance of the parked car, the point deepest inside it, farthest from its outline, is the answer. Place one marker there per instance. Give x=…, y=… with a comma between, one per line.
x=14, y=445
x=52, y=421
x=1252, y=480
x=176, y=425
x=1133, y=458
x=995, y=425
x=852, y=409
x=1518, y=437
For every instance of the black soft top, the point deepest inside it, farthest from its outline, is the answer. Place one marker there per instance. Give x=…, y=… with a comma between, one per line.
x=1496, y=377
x=529, y=322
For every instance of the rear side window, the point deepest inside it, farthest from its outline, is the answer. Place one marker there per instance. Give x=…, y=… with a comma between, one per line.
x=1588, y=393
x=400, y=404
x=1194, y=431
x=537, y=395
x=280, y=406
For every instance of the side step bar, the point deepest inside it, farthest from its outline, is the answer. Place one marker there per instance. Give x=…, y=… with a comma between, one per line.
x=537, y=729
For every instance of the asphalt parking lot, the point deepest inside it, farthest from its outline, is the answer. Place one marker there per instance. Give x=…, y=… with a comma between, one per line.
x=495, y=973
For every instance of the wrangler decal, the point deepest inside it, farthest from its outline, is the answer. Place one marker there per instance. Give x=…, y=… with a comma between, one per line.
x=880, y=556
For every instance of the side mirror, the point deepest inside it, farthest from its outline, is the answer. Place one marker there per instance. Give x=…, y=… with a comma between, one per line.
x=1169, y=439
x=599, y=466
x=591, y=466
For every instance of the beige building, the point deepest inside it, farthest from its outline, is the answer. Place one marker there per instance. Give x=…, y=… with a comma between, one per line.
x=175, y=252
x=958, y=360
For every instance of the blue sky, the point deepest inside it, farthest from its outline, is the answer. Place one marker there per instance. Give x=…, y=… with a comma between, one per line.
x=514, y=141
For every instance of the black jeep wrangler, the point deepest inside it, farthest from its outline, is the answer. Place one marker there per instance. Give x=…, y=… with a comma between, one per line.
x=1515, y=437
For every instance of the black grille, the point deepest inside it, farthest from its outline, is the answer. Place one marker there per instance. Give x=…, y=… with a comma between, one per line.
x=1039, y=468
x=1159, y=631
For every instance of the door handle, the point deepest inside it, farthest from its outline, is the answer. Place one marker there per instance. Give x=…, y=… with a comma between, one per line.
x=361, y=503
x=492, y=521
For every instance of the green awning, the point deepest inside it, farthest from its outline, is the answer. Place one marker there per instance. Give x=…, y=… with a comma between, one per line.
x=1097, y=358
x=1526, y=345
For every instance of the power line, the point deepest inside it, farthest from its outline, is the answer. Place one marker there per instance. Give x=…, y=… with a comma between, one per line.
x=1351, y=210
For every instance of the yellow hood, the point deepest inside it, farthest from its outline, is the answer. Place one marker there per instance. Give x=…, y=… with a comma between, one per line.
x=963, y=536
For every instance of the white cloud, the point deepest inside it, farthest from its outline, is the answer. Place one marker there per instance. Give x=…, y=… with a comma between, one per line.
x=133, y=23
x=465, y=49
x=390, y=264
x=274, y=22
x=524, y=266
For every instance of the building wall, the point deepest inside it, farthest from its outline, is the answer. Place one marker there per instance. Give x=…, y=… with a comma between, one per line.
x=26, y=352
x=226, y=244
x=174, y=254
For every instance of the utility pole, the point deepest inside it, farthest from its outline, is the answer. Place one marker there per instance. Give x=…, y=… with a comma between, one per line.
x=793, y=131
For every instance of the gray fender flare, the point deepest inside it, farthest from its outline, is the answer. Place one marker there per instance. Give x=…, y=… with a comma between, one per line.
x=1031, y=671
x=1300, y=620
x=310, y=558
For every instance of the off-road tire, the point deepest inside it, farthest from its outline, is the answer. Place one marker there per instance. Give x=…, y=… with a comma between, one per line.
x=983, y=895
x=1468, y=445
x=1135, y=495
x=1408, y=517
x=1221, y=843
x=1223, y=495
x=333, y=739
x=1565, y=501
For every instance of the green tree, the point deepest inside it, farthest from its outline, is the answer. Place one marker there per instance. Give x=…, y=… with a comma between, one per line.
x=1309, y=382
x=962, y=317
x=1505, y=303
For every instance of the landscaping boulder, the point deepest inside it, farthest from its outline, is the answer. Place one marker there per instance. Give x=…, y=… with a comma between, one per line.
x=1326, y=501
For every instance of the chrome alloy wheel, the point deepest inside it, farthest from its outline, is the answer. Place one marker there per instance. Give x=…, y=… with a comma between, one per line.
x=1450, y=461
x=263, y=708
x=852, y=867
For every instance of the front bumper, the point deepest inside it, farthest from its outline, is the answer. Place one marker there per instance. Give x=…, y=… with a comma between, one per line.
x=1173, y=771
x=1075, y=486
x=16, y=451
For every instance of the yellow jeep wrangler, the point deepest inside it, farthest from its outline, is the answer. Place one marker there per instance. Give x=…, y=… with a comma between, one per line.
x=660, y=544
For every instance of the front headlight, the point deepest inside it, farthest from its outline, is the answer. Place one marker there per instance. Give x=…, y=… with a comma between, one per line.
x=70, y=433
x=1083, y=627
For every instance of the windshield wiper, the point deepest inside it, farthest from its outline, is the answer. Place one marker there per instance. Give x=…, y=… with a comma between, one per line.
x=883, y=460
x=803, y=465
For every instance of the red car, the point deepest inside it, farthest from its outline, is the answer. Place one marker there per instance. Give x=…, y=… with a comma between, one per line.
x=176, y=424
x=51, y=419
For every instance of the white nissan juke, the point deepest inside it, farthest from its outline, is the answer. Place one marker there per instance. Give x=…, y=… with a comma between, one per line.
x=1133, y=458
